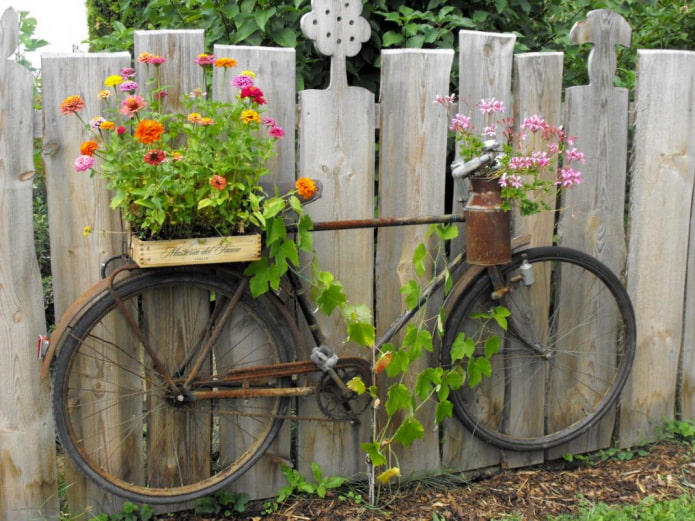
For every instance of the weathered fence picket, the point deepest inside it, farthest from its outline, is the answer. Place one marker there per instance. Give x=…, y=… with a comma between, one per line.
x=27, y=452
x=336, y=142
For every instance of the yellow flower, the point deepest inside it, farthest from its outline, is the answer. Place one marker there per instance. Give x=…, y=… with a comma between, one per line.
x=113, y=80
x=250, y=74
x=107, y=125
x=385, y=477
x=249, y=116
x=87, y=231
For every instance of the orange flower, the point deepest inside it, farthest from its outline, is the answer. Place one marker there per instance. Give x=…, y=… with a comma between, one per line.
x=218, y=182
x=305, y=187
x=225, y=62
x=72, y=104
x=148, y=131
x=107, y=125
x=250, y=115
x=88, y=148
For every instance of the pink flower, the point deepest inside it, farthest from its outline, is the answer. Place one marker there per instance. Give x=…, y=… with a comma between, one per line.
x=540, y=159
x=276, y=132
x=242, y=81
x=120, y=130
x=461, y=123
x=574, y=155
x=205, y=59
x=128, y=72
x=84, y=163
x=129, y=86
x=132, y=104
x=568, y=177
x=512, y=180
x=491, y=105
x=446, y=101
x=534, y=123
x=269, y=122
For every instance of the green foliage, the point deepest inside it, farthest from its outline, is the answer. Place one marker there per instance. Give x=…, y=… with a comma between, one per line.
x=681, y=430
x=649, y=509
x=298, y=484
x=224, y=503
x=131, y=512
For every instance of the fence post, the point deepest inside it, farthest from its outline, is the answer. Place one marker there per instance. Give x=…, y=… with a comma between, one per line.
x=27, y=442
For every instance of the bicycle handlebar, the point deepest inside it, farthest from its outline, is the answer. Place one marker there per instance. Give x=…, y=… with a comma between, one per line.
x=461, y=170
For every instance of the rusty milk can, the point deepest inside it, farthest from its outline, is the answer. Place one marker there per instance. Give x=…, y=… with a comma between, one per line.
x=488, y=226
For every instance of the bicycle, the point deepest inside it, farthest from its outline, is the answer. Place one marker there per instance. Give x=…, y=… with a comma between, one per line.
x=159, y=362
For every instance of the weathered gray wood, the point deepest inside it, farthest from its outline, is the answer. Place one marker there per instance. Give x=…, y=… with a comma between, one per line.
x=591, y=218
x=275, y=71
x=485, y=65
x=660, y=216
x=336, y=146
x=537, y=91
x=27, y=453
x=413, y=182
x=75, y=201
x=180, y=74
x=275, y=75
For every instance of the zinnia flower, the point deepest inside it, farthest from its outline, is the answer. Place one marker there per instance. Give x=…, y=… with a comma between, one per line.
x=129, y=86
x=227, y=63
x=218, y=182
x=128, y=72
x=84, y=163
x=254, y=93
x=132, y=104
x=305, y=187
x=154, y=157
x=120, y=130
x=104, y=94
x=242, y=81
x=88, y=148
x=205, y=59
x=276, y=132
x=113, y=80
x=96, y=122
x=148, y=131
x=249, y=116
x=107, y=125
x=72, y=105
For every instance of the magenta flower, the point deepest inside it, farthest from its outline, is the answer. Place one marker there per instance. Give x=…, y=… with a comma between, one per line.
x=540, y=159
x=128, y=72
x=574, y=155
x=129, y=86
x=242, y=82
x=84, y=163
x=276, y=132
x=512, y=180
x=205, y=59
x=269, y=122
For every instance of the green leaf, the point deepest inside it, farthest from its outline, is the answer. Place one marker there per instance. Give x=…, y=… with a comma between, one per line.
x=204, y=203
x=374, y=453
x=330, y=297
x=477, y=369
x=362, y=333
x=392, y=39
x=461, y=348
x=357, y=385
x=426, y=381
x=443, y=410
x=492, y=346
x=409, y=431
x=411, y=294
x=419, y=257
x=398, y=399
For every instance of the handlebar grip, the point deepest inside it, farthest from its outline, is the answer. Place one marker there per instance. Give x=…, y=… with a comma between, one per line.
x=461, y=170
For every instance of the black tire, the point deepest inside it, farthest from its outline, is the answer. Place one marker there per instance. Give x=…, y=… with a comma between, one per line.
x=120, y=423
x=579, y=319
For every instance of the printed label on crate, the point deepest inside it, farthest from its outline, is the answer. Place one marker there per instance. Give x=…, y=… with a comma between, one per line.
x=211, y=250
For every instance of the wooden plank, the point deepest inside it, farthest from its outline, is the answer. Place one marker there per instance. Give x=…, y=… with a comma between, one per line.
x=412, y=176
x=537, y=91
x=180, y=74
x=592, y=215
x=660, y=217
x=74, y=201
x=336, y=145
x=28, y=481
x=209, y=250
x=275, y=71
x=485, y=65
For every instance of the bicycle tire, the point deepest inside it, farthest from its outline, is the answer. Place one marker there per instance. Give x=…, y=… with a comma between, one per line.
x=564, y=359
x=116, y=419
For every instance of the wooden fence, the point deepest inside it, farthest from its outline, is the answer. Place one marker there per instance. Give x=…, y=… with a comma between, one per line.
x=337, y=127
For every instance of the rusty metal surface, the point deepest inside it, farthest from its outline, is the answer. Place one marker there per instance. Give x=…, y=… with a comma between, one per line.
x=488, y=226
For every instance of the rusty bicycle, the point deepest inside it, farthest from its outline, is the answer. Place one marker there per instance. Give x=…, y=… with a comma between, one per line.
x=170, y=383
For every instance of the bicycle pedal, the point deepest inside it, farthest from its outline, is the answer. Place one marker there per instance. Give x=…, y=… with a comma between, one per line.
x=324, y=358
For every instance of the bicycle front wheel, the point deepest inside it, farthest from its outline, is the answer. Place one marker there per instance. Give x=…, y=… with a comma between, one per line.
x=131, y=421
x=564, y=358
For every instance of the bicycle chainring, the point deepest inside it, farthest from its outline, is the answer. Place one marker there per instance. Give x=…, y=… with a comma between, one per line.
x=337, y=405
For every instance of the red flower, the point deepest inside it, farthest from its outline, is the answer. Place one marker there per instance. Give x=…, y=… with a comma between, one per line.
x=154, y=157
x=218, y=182
x=254, y=93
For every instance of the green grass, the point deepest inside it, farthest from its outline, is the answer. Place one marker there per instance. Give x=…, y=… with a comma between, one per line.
x=649, y=509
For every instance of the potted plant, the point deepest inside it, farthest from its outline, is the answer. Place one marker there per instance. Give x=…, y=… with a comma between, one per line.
x=191, y=176
x=536, y=160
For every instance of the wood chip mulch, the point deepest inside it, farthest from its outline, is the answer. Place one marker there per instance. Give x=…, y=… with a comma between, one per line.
x=665, y=472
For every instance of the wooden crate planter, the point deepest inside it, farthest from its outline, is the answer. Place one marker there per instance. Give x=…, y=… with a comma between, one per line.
x=209, y=250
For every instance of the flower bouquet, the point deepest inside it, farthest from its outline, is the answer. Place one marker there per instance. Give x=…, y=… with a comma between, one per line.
x=535, y=160
x=193, y=174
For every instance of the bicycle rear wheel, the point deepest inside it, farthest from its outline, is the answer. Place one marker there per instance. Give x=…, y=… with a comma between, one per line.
x=119, y=418
x=564, y=358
